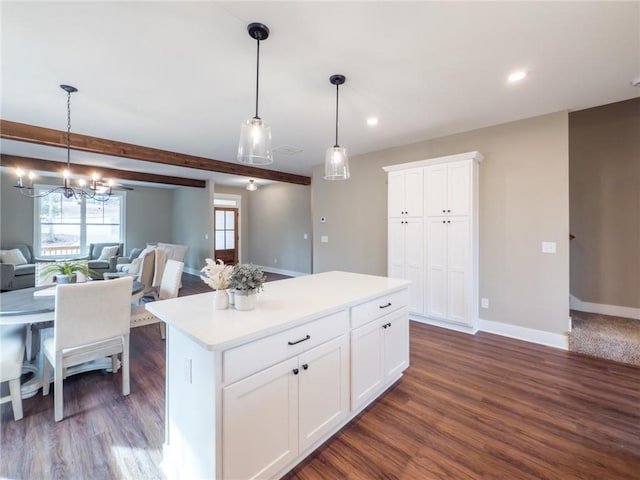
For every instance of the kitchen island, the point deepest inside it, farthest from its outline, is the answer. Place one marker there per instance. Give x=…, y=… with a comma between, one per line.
x=249, y=394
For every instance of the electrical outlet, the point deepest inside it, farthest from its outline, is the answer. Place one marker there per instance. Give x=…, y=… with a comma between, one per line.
x=206, y=236
x=484, y=302
x=548, y=247
x=275, y=259
x=305, y=236
x=324, y=239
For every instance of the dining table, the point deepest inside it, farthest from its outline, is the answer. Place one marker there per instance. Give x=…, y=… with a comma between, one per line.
x=34, y=308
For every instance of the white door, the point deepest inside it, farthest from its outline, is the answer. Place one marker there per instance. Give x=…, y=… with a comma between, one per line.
x=436, y=251
x=367, y=363
x=396, y=250
x=323, y=390
x=395, y=194
x=396, y=344
x=435, y=190
x=458, y=188
x=260, y=423
x=458, y=269
x=414, y=263
x=413, y=191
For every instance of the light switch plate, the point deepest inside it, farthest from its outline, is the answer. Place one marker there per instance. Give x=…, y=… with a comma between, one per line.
x=548, y=247
x=484, y=302
x=324, y=239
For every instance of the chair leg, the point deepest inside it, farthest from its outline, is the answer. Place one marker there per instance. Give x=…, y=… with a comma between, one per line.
x=16, y=398
x=29, y=342
x=125, y=365
x=57, y=389
x=163, y=330
x=46, y=376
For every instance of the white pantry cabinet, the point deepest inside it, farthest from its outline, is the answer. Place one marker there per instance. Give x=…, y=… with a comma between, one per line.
x=249, y=394
x=406, y=247
x=441, y=259
x=405, y=193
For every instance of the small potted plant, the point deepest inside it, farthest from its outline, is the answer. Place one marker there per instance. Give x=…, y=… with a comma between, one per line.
x=247, y=280
x=217, y=275
x=66, y=272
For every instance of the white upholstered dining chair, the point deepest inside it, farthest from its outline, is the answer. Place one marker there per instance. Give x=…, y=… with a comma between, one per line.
x=91, y=322
x=169, y=287
x=12, y=341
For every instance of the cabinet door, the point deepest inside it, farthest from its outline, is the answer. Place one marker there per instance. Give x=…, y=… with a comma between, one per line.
x=323, y=390
x=395, y=194
x=396, y=345
x=436, y=251
x=458, y=188
x=435, y=190
x=260, y=423
x=413, y=192
x=458, y=269
x=367, y=363
x=414, y=263
x=396, y=251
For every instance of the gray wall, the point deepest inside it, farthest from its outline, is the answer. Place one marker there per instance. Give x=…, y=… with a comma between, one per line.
x=16, y=212
x=524, y=200
x=279, y=216
x=149, y=216
x=243, y=217
x=604, y=146
x=192, y=222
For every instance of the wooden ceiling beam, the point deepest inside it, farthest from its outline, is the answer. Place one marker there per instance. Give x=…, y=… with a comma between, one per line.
x=23, y=132
x=27, y=163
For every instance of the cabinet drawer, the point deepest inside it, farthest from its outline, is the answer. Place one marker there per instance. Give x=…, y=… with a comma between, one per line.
x=254, y=356
x=376, y=308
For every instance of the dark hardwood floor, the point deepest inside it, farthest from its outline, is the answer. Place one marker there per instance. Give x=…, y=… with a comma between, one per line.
x=469, y=407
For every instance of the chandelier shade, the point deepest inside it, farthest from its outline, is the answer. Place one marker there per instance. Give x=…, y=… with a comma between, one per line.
x=336, y=160
x=254, y=147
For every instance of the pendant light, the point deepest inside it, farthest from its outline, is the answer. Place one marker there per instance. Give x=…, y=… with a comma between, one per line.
x=94, y=189
x=255, y=135
x=252, y=186
x=336, y=161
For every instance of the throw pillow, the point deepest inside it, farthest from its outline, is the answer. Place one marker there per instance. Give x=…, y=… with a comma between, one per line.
x=108, y=252
x=14, y=256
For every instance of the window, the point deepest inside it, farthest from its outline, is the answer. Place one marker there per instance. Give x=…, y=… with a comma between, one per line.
x=66, y=226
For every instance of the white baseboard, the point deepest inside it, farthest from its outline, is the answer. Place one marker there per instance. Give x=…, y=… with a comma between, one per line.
x=289, y=273
x=191, y=271
x=601, y=308
x=541, y=337
x=438, y=323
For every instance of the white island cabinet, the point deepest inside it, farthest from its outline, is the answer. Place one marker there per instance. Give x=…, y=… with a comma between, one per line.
x=249, y=394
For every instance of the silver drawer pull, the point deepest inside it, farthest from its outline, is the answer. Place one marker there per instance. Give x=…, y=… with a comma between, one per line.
x=385, y=306
x=300, y=341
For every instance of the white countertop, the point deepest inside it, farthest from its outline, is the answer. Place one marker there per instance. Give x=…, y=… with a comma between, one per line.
x=281, y=305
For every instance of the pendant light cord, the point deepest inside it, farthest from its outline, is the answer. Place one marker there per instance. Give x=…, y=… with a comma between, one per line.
x=69, y=131
x=337, y=93
x=257, y=75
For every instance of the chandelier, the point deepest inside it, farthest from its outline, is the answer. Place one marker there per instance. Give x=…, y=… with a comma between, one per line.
x=96, y=189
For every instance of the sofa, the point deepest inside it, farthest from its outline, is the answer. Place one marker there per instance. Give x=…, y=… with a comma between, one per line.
x=14, y=276
x=101, y=264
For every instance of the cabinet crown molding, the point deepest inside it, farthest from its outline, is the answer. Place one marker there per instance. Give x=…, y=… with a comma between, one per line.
x=475, y=156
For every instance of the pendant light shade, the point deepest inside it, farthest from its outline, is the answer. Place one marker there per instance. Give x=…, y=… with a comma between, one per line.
x=252, y=186
x=254, y=147
x=336, y=161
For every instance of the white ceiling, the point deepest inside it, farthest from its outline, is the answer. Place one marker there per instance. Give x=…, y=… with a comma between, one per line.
x=180, y=76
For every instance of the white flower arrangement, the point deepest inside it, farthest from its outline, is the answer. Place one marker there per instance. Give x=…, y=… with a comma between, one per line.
x=216, y=274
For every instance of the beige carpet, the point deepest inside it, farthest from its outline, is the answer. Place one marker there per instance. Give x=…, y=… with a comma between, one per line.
x=604, y=336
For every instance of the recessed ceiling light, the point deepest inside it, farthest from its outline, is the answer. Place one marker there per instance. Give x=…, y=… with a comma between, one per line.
x=517, y=76
x=371, y=121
